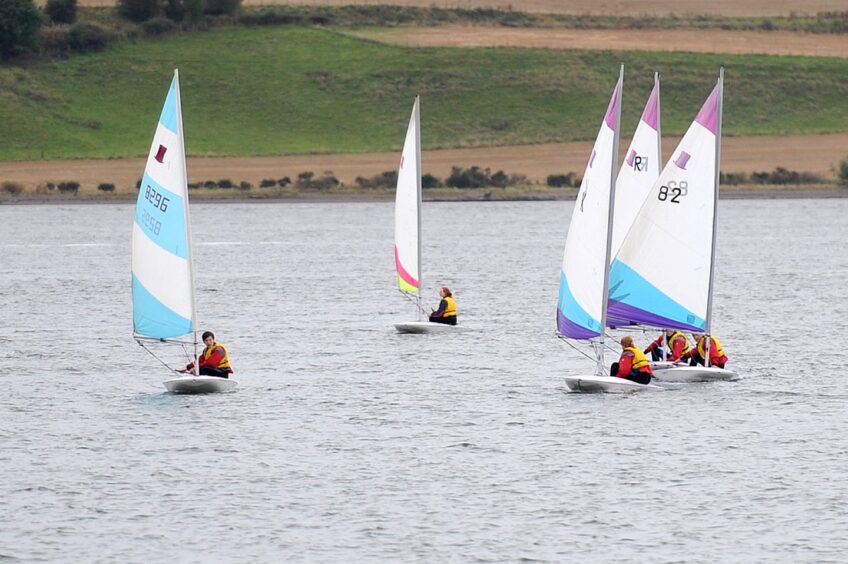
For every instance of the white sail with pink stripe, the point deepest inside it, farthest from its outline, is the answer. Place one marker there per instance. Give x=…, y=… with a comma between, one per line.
x=408, y=209
x=662, y=274
x=640, y=169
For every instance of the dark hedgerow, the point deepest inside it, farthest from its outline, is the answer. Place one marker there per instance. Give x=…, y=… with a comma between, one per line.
x=476, y=177
x=12, y=188
x=225, y=183
x=244, y=185
x=85, y=37
x=284, y=181
x=843, y=172
x=106, y=187
x=430, y=181
x=267, y=183
x=61, y=11
x=561, y=180
x=209, y=184
x=68, y=187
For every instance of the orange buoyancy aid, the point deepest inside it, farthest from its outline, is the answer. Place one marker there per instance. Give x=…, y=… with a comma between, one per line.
x=450, y=309
x=670, y=342
x=225, y=360
x=639, y=359
x=715, y=346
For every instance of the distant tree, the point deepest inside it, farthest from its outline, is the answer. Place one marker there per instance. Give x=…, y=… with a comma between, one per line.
x=61, y=11
x=139, y=10
x=194, y=10
x=19, y=24
x=843, y=172
x=106, y=187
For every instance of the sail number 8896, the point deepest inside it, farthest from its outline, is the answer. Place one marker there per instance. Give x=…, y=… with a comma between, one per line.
x=158, y=200
x=673, y=192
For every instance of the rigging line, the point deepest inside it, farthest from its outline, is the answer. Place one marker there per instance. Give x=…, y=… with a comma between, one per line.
x=567, y=342
x=156, y=357
x=413, y=300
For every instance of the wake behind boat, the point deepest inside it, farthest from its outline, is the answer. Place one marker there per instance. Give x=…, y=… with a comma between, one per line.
x=162, y=277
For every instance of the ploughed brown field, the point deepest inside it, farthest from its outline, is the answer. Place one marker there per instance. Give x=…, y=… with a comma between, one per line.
x=617, y=7
x=689, y=40
x=805, y=153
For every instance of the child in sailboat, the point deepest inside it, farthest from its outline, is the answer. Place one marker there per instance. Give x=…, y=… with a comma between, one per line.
x=214, y=360
x=447, y=308
x=697, y=353
x=678, y=345
x=633, y=365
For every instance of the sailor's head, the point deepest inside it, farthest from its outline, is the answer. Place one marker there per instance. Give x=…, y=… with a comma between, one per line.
x=626, y=341
x=697, y=336
x=208, y=338
x=669, y=332
x=445, y=292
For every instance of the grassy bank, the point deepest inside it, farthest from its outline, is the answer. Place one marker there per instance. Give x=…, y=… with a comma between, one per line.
x=275, y=90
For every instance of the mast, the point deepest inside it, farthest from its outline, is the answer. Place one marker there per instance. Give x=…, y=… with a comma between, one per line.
x=659, y=122
x=719, y=109
x=186, y=212
x=418, y=190
x=619, y=91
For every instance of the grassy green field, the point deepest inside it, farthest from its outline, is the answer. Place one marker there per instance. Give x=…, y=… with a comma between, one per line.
x=263, y=91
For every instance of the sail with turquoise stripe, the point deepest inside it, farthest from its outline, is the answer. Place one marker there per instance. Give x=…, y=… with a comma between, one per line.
x=663, y=273
x=581, y=307
x=162, y=280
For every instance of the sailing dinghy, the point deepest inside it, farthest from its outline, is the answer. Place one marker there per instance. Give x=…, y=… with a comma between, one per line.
x=408, y=228
x=677, y=219
x=582, y=304
x=162, y=278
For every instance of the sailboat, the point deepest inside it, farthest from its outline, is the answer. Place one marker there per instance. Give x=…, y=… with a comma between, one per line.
x=408, y=228
x=582, y=303
x=163, y=294
x=662, y=275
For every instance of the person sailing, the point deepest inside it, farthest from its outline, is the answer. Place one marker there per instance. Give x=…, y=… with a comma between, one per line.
x=697, y=353
x=213, y=361
x=447, y=308
x=633, y=364
x=678, y=345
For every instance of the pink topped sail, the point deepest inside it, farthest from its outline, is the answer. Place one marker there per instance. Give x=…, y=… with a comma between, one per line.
x=708, y=116
x=652, y=108
x=612, y=108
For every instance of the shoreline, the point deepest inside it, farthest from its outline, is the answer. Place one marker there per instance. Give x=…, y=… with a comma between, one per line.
x=769, y=192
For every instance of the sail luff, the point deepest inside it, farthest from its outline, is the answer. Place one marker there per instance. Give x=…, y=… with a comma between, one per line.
x=610, y=214
x=418, y=190
x=659, y=121
x=717, y=180
x=187, y=215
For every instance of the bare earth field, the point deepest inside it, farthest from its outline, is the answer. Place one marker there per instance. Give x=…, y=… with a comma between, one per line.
x=806, y=153
x=689, y=40
x=618, y=7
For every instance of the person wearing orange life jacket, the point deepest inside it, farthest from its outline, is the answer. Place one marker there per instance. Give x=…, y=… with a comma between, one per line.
x=213, y=361
x=633, y=364
x=447, y=308
x=698, y=352
x=678, y=345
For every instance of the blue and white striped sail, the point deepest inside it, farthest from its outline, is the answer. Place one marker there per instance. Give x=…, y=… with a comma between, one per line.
x=581, y=304
x=162, y=282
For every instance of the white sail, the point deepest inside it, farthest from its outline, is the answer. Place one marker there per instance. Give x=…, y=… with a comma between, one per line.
x=162, y=283
x=408, y=208
x=581, y=304
x=662, y=273
x=640, y=169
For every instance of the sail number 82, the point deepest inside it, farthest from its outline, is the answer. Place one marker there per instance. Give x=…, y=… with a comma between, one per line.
x=673, y=191
x=158, y=200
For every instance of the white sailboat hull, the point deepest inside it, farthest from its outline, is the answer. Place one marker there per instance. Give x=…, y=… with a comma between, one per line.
x=607, y=384
x=428, y=327
x=199, y=385
x=668, y=372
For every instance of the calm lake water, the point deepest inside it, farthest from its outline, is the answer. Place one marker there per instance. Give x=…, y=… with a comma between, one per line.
x=347, y=442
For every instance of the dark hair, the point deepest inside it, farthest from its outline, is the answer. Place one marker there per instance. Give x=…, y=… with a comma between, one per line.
x=207, y=334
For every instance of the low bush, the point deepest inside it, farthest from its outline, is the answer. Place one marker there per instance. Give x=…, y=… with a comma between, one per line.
x=244, y=185
x=61, y=11
x=139, y=10
x=476, y=177
x=193, y=185
x=86, y=37
x=842, y=173
x=106, y=187
x=158, y=26
x=387, y=179
x=561, y=180
x=68, y=187
x=307, y=181
x=780, y=176
x=267, y=183
x=430, y=181
x=222, y=7
x=209, y=184
x=55, y=40
x=12, y=188
x=225, y=183
x=284, y=181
